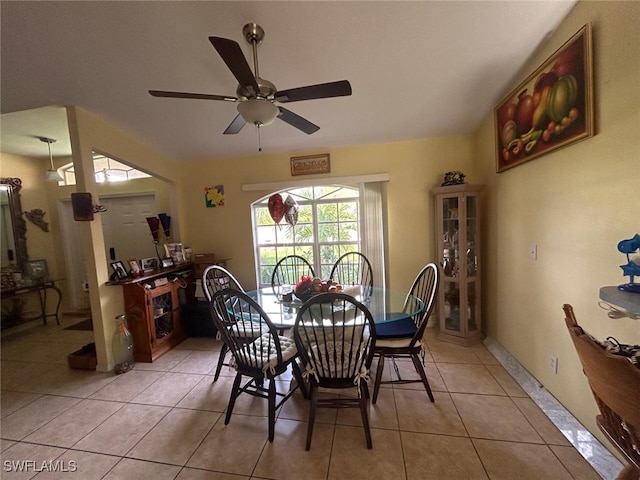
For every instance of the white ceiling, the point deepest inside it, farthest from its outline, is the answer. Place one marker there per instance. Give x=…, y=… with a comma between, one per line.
x=418, y=69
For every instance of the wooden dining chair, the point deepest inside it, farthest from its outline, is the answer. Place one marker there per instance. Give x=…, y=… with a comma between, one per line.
x=615, y=384
x=353, y=268
x=214, y=279
x=334, y=334
x=263, y=359
x=403, y=336
x=289, y=270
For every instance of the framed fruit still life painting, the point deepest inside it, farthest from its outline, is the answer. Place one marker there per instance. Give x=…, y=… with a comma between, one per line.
x=551, y=109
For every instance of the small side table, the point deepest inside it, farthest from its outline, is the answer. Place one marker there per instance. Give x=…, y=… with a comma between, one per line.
x=41, y=287
x=628, y=301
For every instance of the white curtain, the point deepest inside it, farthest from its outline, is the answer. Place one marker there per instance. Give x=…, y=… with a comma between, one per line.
x=373, y=227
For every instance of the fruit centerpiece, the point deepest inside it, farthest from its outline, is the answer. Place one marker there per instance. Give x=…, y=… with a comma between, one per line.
x=309, y=286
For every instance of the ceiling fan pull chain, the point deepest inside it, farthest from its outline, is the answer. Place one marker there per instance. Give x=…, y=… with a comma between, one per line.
x=259, y=141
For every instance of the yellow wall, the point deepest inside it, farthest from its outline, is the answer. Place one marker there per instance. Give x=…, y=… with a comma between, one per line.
x=414, y=168
x=575, y=204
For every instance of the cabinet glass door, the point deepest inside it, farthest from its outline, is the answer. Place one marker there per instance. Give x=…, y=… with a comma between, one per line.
x=163, y=315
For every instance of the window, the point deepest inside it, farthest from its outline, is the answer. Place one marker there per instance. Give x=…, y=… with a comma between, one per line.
x=106, y=170
x=328, y=226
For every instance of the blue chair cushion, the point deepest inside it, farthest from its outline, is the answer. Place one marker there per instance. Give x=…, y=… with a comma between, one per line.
x=402, y=327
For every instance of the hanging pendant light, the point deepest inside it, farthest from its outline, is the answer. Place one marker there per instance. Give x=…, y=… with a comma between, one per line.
x=52, y=174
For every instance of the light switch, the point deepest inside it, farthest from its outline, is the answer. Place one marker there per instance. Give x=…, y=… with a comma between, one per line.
x=533, y=251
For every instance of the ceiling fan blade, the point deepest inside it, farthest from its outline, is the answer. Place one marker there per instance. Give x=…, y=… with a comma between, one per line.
x=235, y=126
x=234, y=58
x=197, y=96
x=297, y=121
x=341, y=88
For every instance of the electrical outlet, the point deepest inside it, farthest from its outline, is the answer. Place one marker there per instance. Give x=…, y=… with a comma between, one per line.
x=553, y=364
x=85, y=286
x=533, y=251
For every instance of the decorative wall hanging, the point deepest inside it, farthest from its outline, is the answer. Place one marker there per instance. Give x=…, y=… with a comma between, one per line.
x=310, y=164
x=83, y=207
x=36, y=216
x=551, y=109
x=214, y=196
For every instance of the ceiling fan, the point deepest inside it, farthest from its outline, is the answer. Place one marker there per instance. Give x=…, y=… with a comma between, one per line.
x=257, y=97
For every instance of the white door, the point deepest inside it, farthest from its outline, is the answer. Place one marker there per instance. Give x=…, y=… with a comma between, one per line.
x=125, y=230
x=125, y=227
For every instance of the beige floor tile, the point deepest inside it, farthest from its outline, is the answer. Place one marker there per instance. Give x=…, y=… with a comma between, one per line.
x=484, y=354
x=381, y=415
x=506, y=381
x=12, y=401
x=494, y=417
x=129, y=469
x=25, y=377
x=24, y=460
x=4, y=444
x=408, y=372
x=510, y=460
x=451, y=353
x=81, y=466
x=297, y=408
x=169, y=389
x=200, y=361
x=440, y=457
x=125, y=387
x=208, y=395
x=75, y=383
x=119, y=433
x=233, y=448
x=29, y=418
x=417, y=414
x=69, y=427
x=350, y=457
x=286, y=458
x=194, y=474
x=175, y=437
x=545, y=427
x=166, y=362
x=468, y=378
x=575, y=463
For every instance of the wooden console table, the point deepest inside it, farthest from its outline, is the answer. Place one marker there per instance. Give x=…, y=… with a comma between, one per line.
x=153, y=307
x=41, y=287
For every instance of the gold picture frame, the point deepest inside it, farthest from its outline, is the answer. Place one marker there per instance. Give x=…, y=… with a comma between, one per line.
x=310, y=164
x=551, y=109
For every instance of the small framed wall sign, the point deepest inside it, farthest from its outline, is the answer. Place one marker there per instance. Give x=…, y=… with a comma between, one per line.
x=310, y=164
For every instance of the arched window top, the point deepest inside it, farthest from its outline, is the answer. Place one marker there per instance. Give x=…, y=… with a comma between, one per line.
x=106, y=169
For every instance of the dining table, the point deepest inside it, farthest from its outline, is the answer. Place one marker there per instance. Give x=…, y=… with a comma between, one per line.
x=385, y=304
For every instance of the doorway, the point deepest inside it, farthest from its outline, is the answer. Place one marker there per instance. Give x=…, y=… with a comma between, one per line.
x=126, y=235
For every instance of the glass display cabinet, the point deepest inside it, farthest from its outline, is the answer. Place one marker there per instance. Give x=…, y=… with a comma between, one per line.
x=458, y=252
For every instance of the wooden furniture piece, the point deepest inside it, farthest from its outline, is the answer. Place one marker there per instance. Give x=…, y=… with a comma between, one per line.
x=288, y=271
x=153, y=308
x=403, y=337
x=266, y=356
x=353, y=268
x=615, y=384
x=334, y=333
x=458, y=252
x=214, y=279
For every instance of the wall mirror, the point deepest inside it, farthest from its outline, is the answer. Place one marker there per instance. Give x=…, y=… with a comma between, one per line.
x=14, y=228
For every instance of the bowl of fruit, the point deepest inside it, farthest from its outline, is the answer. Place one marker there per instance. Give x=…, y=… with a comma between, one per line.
x=309, y=286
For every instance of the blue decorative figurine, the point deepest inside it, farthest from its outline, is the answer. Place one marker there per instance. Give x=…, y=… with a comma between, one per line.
x=631, y=268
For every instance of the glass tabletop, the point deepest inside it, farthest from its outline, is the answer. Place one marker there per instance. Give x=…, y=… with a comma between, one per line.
x=386, y=305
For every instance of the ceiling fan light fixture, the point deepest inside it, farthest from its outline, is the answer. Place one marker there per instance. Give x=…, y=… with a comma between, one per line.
x=258, y=111
x=52, y=174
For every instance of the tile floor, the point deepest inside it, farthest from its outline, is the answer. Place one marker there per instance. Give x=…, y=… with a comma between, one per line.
x=166, y=421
